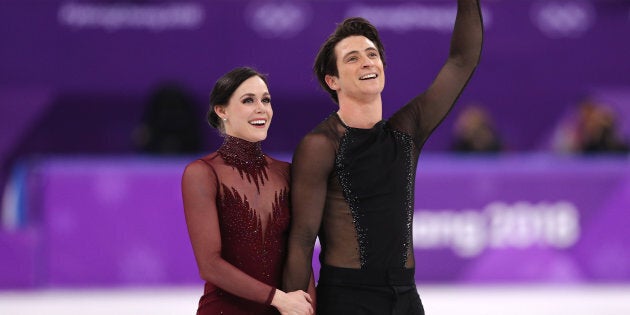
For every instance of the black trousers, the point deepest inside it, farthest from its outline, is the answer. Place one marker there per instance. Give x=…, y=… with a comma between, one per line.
x=361, y=292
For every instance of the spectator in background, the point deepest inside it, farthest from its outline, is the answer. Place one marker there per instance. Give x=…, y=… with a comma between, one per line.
x=593, y=129
x=597, y=129
x=474, y=131
x=169, y=125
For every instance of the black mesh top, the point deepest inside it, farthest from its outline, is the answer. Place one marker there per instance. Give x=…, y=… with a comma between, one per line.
x=354, y=188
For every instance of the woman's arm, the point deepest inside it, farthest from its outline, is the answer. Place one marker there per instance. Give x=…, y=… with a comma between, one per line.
x=199, y=192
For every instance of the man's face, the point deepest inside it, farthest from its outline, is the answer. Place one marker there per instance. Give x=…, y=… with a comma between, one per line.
x=360, y=69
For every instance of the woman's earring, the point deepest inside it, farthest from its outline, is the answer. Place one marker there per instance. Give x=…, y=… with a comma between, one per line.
x=224, y=119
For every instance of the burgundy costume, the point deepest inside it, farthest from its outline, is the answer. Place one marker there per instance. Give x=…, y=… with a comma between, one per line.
x=247, y=192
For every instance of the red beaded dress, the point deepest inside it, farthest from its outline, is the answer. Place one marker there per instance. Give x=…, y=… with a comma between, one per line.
x=237, y=211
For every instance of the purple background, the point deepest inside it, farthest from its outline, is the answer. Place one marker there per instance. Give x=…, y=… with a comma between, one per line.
x=83, y=88
x=70, y=85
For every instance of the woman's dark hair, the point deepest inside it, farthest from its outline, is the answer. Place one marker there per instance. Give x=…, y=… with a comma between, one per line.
x=224, y=88
x=326, y=60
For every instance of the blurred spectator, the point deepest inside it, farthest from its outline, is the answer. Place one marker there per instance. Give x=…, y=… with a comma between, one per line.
x=593, y=130
x=474, y=131
x=169, y=125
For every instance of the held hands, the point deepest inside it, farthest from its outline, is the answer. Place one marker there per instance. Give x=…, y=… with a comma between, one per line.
x=293, y=303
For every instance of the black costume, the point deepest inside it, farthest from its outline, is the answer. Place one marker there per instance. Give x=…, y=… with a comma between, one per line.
x=354, y=188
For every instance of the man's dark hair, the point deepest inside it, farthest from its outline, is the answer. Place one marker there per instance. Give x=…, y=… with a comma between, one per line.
x=326, y=60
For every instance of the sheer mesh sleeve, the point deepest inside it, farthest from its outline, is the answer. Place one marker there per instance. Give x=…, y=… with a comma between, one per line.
x=426, y=111
x=199, y=191
x=312, y=163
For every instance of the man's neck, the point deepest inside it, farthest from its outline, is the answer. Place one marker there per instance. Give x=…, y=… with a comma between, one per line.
x=360, y=114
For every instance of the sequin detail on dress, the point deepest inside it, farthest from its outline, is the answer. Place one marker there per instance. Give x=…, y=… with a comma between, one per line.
x=243, y=224
x=247, y=157
x=252, y=204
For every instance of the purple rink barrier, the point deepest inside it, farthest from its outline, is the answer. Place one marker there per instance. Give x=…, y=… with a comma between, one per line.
x=522, y=219
x=525, y=219
x=111, y=222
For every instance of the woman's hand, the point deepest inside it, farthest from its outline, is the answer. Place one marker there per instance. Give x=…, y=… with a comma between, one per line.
x=292, y=303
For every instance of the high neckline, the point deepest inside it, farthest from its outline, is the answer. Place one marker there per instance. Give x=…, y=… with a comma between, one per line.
x=246, y=157
x=238, y=151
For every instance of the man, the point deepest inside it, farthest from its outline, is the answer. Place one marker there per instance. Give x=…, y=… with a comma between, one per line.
x=353, y=176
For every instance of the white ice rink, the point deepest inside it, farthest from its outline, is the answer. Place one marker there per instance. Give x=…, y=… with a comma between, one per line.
x=438, y=300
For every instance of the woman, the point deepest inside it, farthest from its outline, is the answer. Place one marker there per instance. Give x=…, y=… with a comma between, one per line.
x=236, y=204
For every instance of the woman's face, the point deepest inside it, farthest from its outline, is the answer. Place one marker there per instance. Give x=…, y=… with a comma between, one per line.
x=248, y=113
